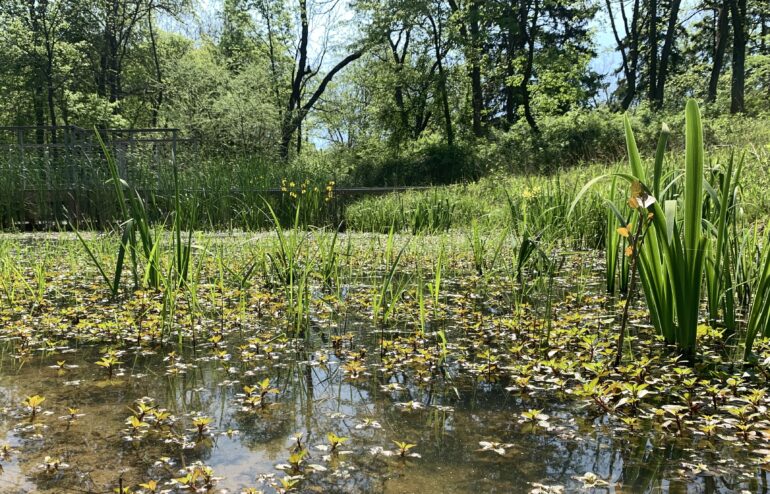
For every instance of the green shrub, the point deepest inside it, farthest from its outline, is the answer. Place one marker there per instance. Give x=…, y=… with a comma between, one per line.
x=425, y=162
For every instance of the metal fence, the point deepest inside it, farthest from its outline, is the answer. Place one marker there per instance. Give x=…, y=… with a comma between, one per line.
x=50, y=176
x=50, y=173
x=70, y=156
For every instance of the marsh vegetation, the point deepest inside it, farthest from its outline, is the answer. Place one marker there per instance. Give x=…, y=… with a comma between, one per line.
x=600, y=332
x=397, y=246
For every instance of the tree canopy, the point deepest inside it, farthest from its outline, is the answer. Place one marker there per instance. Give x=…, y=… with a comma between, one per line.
x=280, y=77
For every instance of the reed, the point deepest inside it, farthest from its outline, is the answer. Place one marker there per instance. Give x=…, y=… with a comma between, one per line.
x=758, y=323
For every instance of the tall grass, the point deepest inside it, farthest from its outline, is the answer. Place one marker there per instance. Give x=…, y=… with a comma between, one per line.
x=695, y=238
x=612, y=243
x=292, y=265
x=134, y=221
x=140, y=240
x=758, y=323
x=388, y=289
x=720, y=283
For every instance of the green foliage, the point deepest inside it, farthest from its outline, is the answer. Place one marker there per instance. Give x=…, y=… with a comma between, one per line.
x=566, y=140
x=229, y=113
x=678, y=253
x=427, y=162
x=672, y=260
x=535, y=205
x=758, y=323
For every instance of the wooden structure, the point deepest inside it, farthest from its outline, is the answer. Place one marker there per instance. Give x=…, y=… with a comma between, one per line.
x=50, y=176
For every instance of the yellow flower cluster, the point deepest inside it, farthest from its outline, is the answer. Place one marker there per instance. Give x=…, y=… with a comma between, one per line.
x=530, y=193
x=295, y=190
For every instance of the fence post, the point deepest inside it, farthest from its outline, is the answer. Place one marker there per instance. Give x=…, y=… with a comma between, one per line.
x=173, y=146
x=20, y=142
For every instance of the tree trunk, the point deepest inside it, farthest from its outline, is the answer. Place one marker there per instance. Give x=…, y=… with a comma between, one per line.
x=299, y=138
x=510, y=91
x=665, y=56
x=445, y=105
x=630, y=56
x=652, y=42
x=398, y=90
x=101, y=76
x=722, y=37
x=529, y=33
x=295, y=114
x=287, y=132
x=39, y=108
x=37, y=92
x=271, y=52
x=477, y=97
x=157, y=99
x=111, y=50
x=442, y=81
x=51, y=101
x=737, y=86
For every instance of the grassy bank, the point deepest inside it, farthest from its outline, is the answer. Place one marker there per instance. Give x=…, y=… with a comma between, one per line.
x=46, y=191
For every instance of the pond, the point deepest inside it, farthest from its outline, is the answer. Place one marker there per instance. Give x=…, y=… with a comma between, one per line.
x=482, y=390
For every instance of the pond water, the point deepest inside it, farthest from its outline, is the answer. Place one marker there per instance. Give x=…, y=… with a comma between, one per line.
x=313, y=400
x=465, y=421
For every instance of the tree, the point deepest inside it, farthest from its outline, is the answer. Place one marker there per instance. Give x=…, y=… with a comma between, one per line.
x=237, y=40
x=35, y=28
x=722, y=38
x=528, y=47
x=659, y=67
x=228, y=113
x=468, y=17
x=296, y=110
x=437, y=29
x=627, y=42
x=738, y=79
x=407, y=74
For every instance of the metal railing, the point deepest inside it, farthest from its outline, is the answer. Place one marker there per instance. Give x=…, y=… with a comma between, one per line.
x=50, y=175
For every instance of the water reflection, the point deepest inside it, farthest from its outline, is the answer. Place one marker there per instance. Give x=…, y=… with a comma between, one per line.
x=446, y=420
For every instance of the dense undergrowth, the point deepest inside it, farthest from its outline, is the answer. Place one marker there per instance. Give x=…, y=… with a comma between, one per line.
x=548, y=197
x=45, y=192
